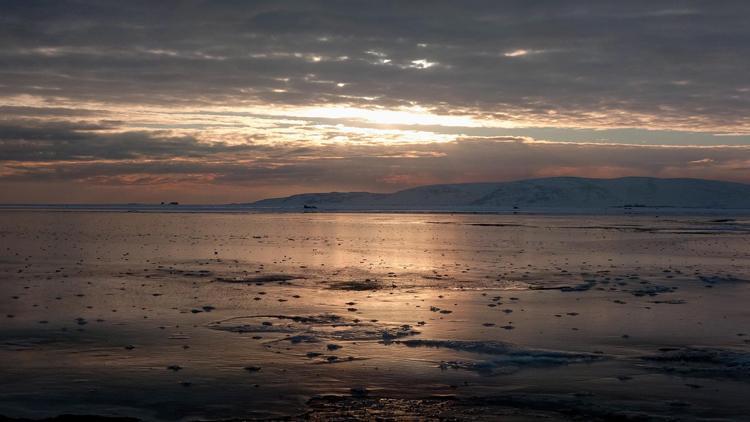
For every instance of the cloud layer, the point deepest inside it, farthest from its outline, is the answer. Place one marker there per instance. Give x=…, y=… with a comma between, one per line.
x=232, y=101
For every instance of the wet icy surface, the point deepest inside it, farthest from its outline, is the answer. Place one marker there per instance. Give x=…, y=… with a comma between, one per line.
x=323, y=316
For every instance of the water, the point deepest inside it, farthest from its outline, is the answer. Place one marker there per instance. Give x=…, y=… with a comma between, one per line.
x=373, y=314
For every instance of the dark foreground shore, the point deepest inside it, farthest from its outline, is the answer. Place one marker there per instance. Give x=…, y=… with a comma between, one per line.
x=373, y=316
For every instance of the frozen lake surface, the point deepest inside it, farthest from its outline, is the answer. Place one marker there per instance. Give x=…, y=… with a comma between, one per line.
x=185, y=316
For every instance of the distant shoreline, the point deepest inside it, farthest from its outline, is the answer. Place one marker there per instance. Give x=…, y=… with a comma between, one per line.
x=241, y=209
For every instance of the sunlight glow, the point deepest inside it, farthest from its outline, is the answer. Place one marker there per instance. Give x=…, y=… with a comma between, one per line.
x=403, y=116
x=422, y=64
x=516, y=53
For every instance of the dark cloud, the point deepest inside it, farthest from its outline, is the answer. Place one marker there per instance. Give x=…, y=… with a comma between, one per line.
x=681, y=63
x=25, y=111
x=292, y=169
x=64, y=141
x=102, y=100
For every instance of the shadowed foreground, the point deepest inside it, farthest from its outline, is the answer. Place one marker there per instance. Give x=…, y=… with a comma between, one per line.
x=345, y=316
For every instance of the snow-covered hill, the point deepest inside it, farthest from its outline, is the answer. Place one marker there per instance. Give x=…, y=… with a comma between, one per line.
x=555, y=192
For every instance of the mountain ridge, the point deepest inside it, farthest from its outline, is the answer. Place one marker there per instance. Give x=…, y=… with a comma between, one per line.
x=551, y=192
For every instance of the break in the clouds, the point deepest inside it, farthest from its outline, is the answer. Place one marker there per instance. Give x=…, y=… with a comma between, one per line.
x=233, y=101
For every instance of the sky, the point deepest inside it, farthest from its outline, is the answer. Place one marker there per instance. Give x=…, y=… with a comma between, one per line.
x=235, y=101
